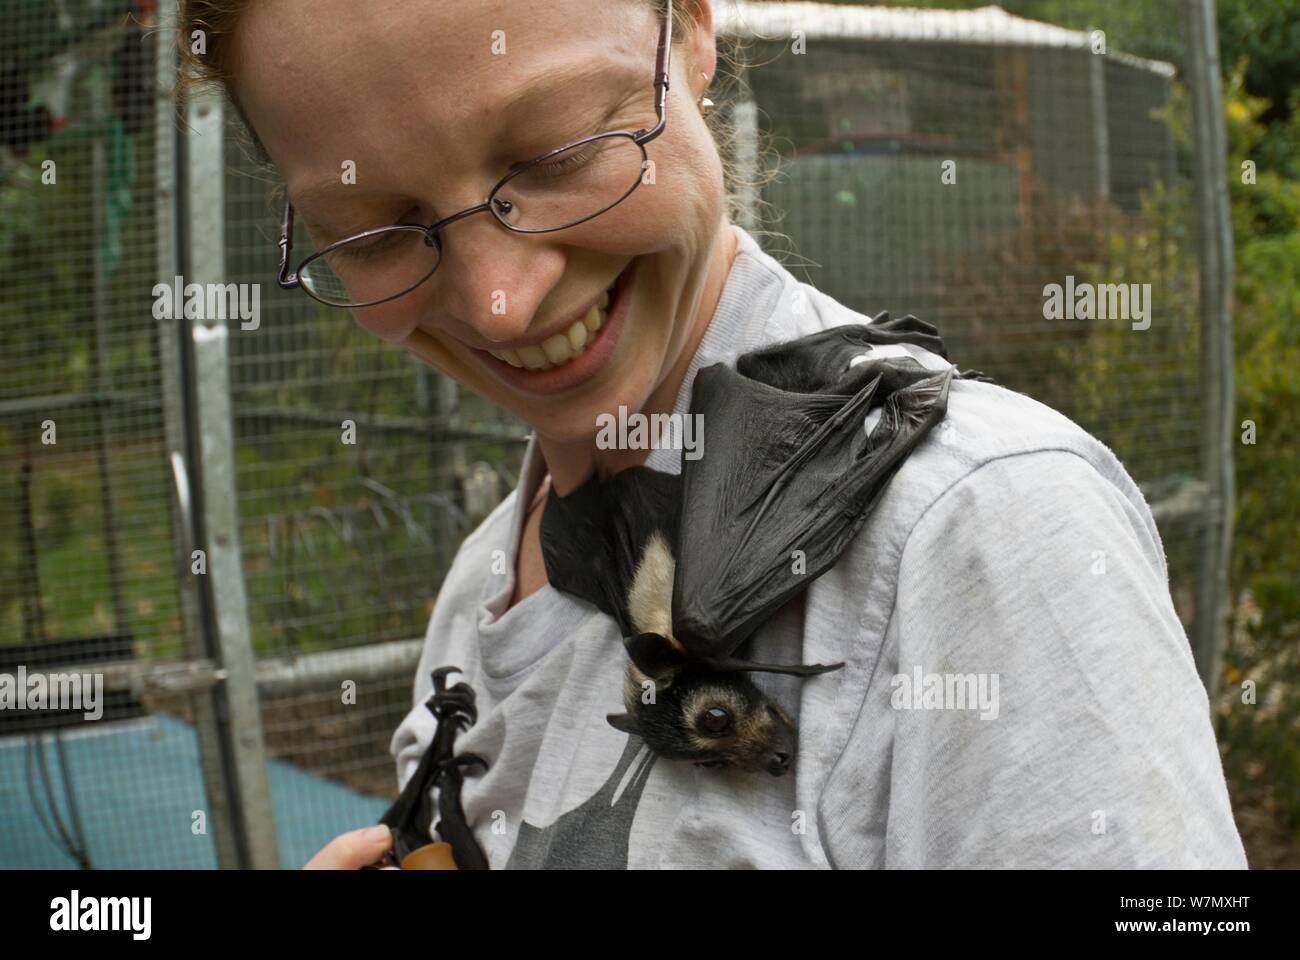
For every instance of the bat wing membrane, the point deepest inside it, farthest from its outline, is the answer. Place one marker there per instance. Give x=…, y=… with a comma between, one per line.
x=788, y=480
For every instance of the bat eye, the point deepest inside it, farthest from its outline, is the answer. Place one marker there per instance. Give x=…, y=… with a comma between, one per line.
x=715, y=720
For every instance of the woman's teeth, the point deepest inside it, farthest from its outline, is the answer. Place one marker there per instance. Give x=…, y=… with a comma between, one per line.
x=562, y=347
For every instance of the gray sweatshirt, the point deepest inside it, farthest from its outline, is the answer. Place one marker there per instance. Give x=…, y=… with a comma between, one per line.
x=1017, y=692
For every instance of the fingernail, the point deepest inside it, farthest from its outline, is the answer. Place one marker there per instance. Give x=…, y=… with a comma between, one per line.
x=379, y=834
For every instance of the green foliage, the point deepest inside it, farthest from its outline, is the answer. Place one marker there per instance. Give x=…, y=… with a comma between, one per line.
x=1266, y=233
x=1262, y=740
x=1268, y=394
x=50, y=355
x=1266, y=36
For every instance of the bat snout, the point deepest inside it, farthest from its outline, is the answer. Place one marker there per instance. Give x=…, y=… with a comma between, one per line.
x=779, y=763
x=779, y=746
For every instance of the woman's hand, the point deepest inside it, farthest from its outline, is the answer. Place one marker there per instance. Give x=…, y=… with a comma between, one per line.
x=352, y=851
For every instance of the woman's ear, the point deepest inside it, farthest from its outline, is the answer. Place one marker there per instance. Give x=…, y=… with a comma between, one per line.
x=700, y=45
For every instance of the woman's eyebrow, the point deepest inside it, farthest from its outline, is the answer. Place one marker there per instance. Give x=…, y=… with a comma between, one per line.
x=528, y=100
x=322, y=190
x=531, y=97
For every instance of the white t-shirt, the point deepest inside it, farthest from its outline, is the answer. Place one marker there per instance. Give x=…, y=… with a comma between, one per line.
x=1017, y=692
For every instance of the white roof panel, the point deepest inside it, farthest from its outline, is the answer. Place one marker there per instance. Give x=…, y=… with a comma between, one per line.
x=990, y=25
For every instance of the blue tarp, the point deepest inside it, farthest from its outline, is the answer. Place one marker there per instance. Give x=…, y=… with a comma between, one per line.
x=137, y=785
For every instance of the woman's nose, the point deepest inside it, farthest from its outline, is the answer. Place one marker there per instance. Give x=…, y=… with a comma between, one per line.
x=490, y=279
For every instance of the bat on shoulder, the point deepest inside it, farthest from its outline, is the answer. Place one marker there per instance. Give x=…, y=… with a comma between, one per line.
x=685, y=704
x=690, y=565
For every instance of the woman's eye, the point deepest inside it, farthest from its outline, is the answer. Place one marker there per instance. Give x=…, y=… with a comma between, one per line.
x=567, y=162
x=715, y=720
x=380, y=243
x=370, y=247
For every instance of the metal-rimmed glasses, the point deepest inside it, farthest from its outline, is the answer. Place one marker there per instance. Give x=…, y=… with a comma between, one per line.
x=559, y=189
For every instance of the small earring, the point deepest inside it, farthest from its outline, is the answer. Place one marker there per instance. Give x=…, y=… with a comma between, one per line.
x=705, y=103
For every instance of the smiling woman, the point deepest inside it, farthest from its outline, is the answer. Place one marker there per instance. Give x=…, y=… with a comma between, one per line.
x=432, y=132
x=540, y=211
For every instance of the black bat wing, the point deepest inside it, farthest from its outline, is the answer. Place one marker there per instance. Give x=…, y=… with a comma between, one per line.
x=592, y=539
x=789, y=472
x=411, y=814
x=813, y=363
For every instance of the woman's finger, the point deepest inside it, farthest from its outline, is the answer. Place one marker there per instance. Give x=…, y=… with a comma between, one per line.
x=352, y=851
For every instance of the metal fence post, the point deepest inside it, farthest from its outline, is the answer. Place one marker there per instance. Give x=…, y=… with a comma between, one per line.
x=1214, y=239
x=204, y=226
x=175, y=405
x=1100, y=120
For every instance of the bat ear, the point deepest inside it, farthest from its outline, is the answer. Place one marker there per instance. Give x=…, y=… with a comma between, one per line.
x=623, y=722
x=654, y=656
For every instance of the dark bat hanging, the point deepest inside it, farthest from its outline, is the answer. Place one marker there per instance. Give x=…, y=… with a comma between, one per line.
x=690, y=565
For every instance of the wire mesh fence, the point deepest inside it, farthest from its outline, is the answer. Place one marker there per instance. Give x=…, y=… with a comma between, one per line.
x=959, y=164
x=952, y=163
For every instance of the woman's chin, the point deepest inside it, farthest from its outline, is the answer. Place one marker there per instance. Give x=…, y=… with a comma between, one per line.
x=576, y=427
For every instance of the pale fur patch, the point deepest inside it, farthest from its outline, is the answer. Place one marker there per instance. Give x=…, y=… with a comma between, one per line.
x=650, y=599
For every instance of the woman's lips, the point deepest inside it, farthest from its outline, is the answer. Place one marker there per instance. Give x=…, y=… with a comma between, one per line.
x=595, y=352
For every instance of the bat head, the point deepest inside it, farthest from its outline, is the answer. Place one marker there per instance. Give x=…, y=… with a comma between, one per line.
x=687, y=710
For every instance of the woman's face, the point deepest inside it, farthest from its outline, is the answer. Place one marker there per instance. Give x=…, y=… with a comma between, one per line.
x=433, y=101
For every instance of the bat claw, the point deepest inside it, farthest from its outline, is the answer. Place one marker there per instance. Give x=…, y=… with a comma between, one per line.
x=454, y=703
x=440, y=677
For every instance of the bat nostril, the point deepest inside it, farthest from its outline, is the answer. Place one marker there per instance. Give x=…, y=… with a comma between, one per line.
x=778, y=763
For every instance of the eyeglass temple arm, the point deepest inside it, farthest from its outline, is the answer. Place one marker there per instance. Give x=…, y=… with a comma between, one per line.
x=285, y=279
x=663, y=63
